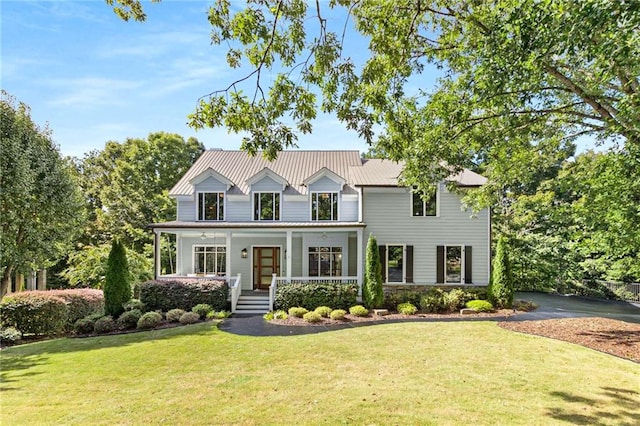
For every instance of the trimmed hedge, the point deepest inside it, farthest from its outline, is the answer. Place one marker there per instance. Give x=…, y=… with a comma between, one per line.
x=34, y=312
x=313, y=295
x=184, y=294
x=81, y=302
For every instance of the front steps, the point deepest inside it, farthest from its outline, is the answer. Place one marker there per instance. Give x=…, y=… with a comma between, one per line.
x=252, y=304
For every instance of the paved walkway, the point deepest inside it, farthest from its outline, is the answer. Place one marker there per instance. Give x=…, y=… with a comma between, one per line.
x=550, y=306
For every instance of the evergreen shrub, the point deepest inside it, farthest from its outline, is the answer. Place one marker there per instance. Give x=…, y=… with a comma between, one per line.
x=324, y=311
x=149, y=320
x=358, y=311
x=297, y=311
x=480, y=305
x=501, y=288
x=313, y=295
x=10, y=336
x=174, y=315
x=117, y=283
x=34, y=312
x=407, y=308
x=312, y=317
x=104, y=324
x=338, y=314
x=202, y=309
x=129, y=319
x=189, y=318
x=184, y=294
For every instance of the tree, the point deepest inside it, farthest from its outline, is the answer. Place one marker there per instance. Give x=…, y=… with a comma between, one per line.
x=117, y=283
x=372, y=292
x=515, y=76
x=41, y=207
x=500, y=290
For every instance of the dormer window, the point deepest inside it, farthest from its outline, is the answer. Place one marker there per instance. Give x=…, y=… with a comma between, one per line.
x=211, y=206
x=266, y=206
x=420, y=207
x=324, y=206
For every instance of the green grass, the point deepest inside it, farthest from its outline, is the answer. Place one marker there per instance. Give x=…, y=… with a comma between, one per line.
x=411, y=373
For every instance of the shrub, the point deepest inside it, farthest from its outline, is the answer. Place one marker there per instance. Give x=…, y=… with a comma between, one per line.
x=117, y=281
x=433, y=301
x=104, y=324
x=501, y=288
x=84, y=325
x=480, y=305
x=524, y=305
x=372, y=292
x=218, y=314
x=149, y=320
x=398, y=296
x=34, y=312
x=297, y=312
x=81, y=302
x=184, y=294
x=202, y=309
x=10, y=336
x=174, y=315
x=324, y=311
x=312, y=295
x=358, y=311
x=134, y=304
x=312, y=317
x=189, y=318
x=129, y=319
x=407, y=308
x=338, y=314
x=453, y=299
x=280, y=315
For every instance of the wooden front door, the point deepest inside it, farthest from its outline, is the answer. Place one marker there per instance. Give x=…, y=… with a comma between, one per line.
x=266, y=262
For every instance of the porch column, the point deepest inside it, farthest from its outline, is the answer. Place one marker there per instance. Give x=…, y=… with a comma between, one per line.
x=156, y=253
x=42, y=279
x=288, y=256
x=359, y=259
x=228, y=256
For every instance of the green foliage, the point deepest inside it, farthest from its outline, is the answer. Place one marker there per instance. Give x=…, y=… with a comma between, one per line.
x=129, y=319
x=271, y=315
x=184, y=294
x=297, y=311
x=34, y=312
x=10, y=336
x=433, y=301
x=372, y=293
x=174, y=315
x=84, y=325
x=359, y=311
x=41, y=203
x=202, y=309
x=393, y=298
x=218, y=314
x=189, y=318
x=117, y=287
x=407, y=309
x=135, y=304
x=312, y=317
x=480, y=305
x=312, y=295
x=104, y=324
x=501, y=287
x=324, y=311
x=150, y=320
x=80, y=303
x=524, y=305
x=454, y=299
x=337, y=314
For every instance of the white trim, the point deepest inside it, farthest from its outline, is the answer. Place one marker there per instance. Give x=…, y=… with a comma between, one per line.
x=350, y=197
x=337, y=195
x=211, y=173
x=252, y=283
x=224, y=206
x=253, y=207
x=404, y=264
x=424, y=204
x=325, y=172
x=193, y=258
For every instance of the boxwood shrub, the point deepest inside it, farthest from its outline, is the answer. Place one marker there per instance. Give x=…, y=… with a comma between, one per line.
x=149, y=320
x=480, y=305
x=104, y=325
x=313, y=295
x=189, y=318
x=129, y=319
x=34, y=312
x=184, y=294
x=312, y=317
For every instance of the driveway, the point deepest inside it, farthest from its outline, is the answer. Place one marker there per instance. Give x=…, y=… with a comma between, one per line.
x=561, y=306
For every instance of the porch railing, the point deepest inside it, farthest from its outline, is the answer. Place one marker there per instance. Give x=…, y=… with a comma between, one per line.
x=317, y=280
x=236, y=288
x=272, y=291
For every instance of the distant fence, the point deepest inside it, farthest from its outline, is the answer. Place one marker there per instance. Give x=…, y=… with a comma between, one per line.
x=628, y=291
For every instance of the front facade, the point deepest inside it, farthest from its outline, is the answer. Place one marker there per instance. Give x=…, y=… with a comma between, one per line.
x=308, y=214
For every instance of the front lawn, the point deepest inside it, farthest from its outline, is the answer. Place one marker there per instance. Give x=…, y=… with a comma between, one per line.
x=411, y=373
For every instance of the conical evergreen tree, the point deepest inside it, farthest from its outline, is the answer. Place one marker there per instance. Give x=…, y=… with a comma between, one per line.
x=500, y=291
x=117, y=286
x=372, y=292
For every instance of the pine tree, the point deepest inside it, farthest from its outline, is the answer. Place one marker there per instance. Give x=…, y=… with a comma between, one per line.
x=117, y=286
x=500, y=291
x=372, y=292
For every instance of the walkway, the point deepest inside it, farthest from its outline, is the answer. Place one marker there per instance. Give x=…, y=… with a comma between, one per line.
x=550, y=306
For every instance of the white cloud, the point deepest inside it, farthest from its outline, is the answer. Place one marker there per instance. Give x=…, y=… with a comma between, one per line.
x=91, y=91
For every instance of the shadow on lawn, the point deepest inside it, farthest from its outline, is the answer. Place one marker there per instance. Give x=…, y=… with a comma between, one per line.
x=621, y=337
x=619, y=406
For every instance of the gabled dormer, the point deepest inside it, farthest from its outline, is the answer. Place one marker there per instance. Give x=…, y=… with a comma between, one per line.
x=266, y=188
x=210, y=188
x=324, y=188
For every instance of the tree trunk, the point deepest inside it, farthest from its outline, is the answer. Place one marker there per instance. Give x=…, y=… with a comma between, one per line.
x=6, y=280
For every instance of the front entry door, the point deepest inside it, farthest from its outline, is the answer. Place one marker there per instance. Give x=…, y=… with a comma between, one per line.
x=266, y=262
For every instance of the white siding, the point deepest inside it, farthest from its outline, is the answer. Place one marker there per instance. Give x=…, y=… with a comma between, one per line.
x=266, y=184
x=210, y=184
x=295, y=211
x=388, y=217
x=349, y=209
x=187, y=210
x=238, y=211
x=324, y=184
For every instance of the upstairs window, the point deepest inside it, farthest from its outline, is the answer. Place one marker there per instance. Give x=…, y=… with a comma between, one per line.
x=211, y=206
x=325, y=261
x=420, y=207
x=266, y=206
x=324, y=206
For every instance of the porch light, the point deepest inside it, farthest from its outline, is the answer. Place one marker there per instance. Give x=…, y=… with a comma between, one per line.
x=203, y=236
x=244, y=253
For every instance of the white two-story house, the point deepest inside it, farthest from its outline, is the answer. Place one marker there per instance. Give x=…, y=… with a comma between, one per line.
x=308, y=214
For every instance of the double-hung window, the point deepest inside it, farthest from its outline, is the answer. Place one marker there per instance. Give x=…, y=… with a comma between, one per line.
x=210, y=260
x=266, y=206
x=324, y=206
x=211, y=206
x=325, y=261
x=423, y=207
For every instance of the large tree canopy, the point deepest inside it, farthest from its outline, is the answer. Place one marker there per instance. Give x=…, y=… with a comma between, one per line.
x=41, y=207
x=518, y=76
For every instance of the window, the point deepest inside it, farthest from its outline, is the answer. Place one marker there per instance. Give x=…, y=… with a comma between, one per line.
x=453, y=265
x=266, y=206
x=324, y=206
x=420, y=207
x=325, y=261
x=210, y=260
x=211, y=206
x=395, y=264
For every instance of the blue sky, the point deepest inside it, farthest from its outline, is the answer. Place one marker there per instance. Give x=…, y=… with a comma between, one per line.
x=93, y=77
